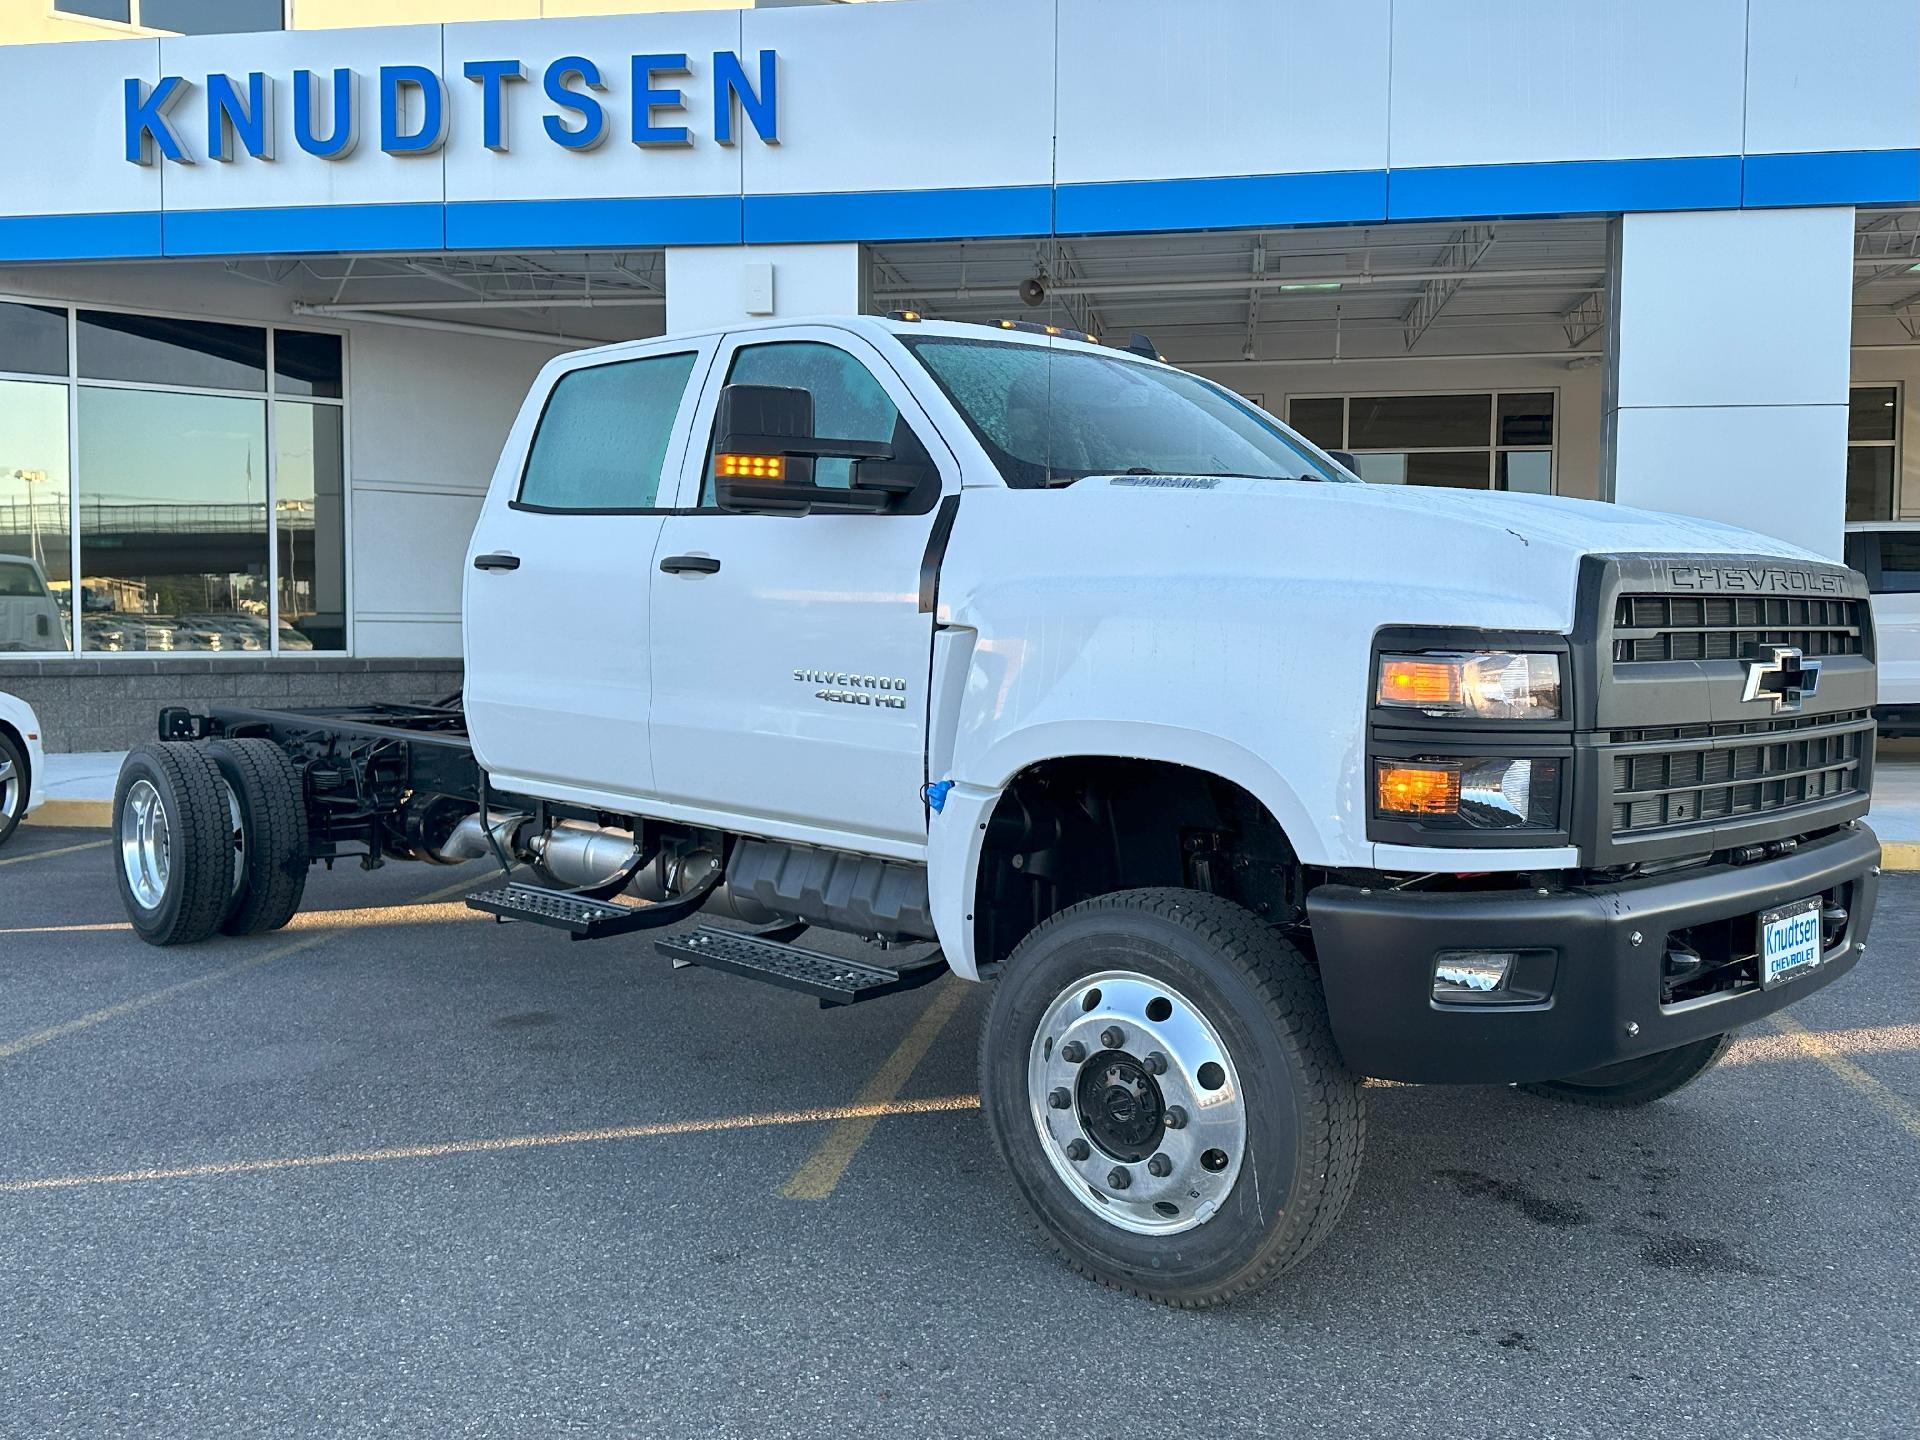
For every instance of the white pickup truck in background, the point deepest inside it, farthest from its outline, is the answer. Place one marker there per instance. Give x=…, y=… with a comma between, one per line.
x=1887, y=552
x=1030, y=659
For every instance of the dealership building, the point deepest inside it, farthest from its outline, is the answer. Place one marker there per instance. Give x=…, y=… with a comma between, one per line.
x=269, y=300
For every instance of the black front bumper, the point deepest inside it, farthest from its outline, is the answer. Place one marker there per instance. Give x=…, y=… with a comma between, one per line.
x=1602, y=949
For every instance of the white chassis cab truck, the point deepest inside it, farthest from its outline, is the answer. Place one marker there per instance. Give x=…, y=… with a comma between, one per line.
x=1032, y=660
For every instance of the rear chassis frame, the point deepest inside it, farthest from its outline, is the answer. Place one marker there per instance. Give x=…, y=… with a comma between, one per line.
x=379, y=781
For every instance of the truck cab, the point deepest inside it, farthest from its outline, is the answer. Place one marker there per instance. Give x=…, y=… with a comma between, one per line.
x=1241, y=780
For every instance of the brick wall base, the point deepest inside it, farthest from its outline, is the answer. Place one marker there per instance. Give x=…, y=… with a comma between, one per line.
x=112, y=705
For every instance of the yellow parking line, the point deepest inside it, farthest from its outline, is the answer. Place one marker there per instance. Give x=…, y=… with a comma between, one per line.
x=1905, y=1114
x=36, y=1039
x=868, y=1112
x=33, y=1041
x=816, y=1178
x=1752, y=1048
x=49, y=854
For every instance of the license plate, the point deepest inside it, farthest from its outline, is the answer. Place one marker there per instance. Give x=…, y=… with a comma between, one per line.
x=1789, y=941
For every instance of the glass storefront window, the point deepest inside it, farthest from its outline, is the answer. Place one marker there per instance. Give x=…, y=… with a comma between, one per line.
x=310, y=526
x=1405, y=422
x=1501, y=441
x=36, y=591
x=307, y=362
x=1873, y=452
x=33, y=340
x=190, y=505
x=173, y=522
x=154, y=350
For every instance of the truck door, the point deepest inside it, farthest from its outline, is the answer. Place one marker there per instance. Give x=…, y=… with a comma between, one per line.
x=557, y=577
x=790, y=654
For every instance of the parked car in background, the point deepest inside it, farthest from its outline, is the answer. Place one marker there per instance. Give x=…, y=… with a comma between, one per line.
x=1887, y=552
x=30, y=618
x=22, y=763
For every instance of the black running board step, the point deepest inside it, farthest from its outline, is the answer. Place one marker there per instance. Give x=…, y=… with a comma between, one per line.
x=833, y=980
x=580, y=916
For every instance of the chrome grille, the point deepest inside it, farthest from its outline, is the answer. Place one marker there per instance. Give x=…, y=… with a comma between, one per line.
x=1708, y=774
x=1658, y=628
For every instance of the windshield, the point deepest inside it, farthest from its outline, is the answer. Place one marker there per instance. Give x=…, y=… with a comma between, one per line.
x=1049, y=417
x=19, y=580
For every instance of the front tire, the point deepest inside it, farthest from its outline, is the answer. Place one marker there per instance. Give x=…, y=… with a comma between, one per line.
x=1158, y=1072
x=173, y=843
x=13, y=787
x=1633, y=1083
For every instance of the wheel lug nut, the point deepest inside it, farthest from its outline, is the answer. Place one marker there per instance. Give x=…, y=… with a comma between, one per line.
x=1077, y=1150
x=1118, y=1178
x=1160, y=1165
x=1155, y=1062
x=1059, y=1099
x=1176, y=1117
x=1073, y=1052
x=1113, y=1037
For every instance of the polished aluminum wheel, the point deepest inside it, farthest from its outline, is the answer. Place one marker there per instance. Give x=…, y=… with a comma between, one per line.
x=145, y=844
x=13, y=790
x=1137, y=1102
x=237, y=832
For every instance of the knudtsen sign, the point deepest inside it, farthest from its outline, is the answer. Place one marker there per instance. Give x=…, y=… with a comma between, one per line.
x=414, y=115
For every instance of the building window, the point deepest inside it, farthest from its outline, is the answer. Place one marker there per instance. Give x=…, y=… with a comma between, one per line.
x=200, y=496
x=121, y=10
x=1480, y=441
x=184, y=17
x=1873, y=452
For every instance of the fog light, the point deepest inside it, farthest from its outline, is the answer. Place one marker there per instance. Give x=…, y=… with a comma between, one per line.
x=1472, y=975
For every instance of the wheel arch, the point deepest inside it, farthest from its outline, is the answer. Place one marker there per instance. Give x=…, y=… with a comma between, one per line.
x=1177, y=793
x=19, y=739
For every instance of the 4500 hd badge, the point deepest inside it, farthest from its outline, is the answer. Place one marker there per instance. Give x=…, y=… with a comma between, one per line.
x=840, y=688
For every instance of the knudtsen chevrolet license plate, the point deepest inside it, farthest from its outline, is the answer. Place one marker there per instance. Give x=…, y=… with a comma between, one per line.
x=1789, y=941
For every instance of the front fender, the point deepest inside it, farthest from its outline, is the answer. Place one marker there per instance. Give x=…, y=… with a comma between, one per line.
x=956, y=835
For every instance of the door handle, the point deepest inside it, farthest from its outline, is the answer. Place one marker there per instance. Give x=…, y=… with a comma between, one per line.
x=690, y=564
x=499, y=560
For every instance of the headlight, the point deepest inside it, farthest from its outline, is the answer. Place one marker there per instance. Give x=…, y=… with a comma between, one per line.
x=1471, y=684
x=1469, y=793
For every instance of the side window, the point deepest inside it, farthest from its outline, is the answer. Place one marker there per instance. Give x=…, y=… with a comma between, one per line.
x=602, y=442
x=848, y=403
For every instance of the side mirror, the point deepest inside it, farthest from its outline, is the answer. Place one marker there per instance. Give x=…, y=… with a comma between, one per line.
x=763, y=458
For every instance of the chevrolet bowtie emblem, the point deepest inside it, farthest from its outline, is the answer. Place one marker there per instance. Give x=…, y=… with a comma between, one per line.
x=1781, y=675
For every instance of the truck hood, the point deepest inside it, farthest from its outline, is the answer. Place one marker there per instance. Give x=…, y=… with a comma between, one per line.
x=1578, y=527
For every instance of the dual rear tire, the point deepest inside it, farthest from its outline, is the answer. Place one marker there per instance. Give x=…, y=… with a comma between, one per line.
x=209, y=838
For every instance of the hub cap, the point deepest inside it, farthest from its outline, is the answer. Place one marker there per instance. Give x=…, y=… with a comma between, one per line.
x=145, y=845
x=1155, y=1103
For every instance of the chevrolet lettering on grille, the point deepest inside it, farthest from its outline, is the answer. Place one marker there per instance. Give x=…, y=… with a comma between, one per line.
x=1781, y=674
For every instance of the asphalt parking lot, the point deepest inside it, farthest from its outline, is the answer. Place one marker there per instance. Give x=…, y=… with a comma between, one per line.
x=400, y=1170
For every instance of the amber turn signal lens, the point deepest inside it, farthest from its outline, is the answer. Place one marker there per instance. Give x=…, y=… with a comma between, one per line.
x=751, y=467
x=1406, y=681
x=1418, y=790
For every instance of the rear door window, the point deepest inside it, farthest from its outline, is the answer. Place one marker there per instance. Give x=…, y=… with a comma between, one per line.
x=602, y=442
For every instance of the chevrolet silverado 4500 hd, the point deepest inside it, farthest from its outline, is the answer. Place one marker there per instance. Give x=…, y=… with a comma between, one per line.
x=1032, y=660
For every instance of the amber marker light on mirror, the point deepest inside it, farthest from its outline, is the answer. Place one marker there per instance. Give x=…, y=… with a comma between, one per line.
x=751, y=467
x=1418, y=789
